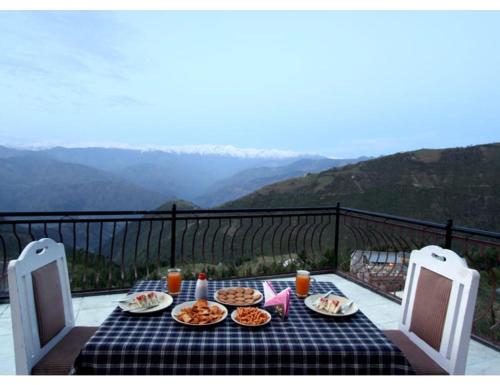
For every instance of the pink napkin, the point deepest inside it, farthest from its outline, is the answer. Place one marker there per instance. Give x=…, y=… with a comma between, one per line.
x=279, y=301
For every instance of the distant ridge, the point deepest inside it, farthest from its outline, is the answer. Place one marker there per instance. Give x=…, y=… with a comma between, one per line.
x=203, y=149
x=147, y=177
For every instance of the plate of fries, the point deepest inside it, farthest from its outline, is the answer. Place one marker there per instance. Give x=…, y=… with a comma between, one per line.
x=199, y=313
x=251, y=316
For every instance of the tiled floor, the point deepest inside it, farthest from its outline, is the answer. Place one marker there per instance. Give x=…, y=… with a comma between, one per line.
x=91, y=311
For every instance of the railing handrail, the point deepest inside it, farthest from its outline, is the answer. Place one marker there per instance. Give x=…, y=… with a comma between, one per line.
x=180, y=212
x=398, y=218
x=152, y=212
x=473, y=231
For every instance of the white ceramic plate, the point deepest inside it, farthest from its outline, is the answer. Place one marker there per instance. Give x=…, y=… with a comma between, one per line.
x=309, y=302
x=165, y=301
x=216, y=297
x=176, y=310
x=233, y=317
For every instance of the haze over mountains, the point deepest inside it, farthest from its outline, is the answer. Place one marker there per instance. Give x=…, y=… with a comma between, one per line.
x=458, y=183
x=62, y=178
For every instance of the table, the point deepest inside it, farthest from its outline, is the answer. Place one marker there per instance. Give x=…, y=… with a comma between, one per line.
x=305, y=343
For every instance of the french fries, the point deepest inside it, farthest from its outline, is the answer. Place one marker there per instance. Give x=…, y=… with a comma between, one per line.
x=251, y=316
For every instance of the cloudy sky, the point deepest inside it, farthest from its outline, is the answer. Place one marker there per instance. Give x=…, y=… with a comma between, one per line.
x=334, y=83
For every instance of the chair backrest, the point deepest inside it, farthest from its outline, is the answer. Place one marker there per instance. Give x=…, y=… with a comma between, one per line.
x=40, y=301
x=438, y=305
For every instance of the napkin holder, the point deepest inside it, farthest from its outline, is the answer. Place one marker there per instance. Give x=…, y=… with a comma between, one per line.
x=279, y=302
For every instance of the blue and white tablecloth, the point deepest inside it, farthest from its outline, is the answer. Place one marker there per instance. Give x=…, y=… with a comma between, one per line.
x=305, y=343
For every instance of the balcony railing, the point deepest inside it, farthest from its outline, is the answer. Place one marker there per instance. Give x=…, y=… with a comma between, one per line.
x=109, y=251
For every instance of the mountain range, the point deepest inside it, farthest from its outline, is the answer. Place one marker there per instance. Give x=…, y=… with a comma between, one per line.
x=97, y=178
x=459, y=183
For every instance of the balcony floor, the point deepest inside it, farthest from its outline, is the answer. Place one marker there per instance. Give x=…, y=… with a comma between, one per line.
x=93, y=310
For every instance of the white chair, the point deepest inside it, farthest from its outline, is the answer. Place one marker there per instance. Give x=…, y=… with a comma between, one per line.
x=437, y=311
x=46, y=340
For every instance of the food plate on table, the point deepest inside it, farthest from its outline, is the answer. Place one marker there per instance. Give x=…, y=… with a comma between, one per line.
x=199, y=313
x=251, y=316
x=331, y=305
x=145, y=302
x=238, y=296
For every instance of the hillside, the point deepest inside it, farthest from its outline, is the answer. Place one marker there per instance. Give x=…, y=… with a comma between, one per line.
x=458, y=183
x=33, y=182
x=247, y=181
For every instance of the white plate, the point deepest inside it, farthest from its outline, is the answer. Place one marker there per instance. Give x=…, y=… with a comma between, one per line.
x=233, y=317
x=165, y=301
x=176, y=310
x=216, y=297
x=309, y=302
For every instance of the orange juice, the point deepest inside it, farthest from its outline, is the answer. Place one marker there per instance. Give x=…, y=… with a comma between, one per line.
x=302, y=281
x=174, y=281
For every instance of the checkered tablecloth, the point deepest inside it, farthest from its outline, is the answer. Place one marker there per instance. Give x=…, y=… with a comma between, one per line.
x=305, y=343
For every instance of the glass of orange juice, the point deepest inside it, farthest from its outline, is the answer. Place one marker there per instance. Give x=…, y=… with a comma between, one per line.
x=302, y=282
x=174, y=281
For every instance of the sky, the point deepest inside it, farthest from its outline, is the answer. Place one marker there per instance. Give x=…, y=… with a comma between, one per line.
x=340, y=84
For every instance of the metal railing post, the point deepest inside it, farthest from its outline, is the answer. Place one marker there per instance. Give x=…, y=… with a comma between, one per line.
x=449, y=234
x=173, y=235
x=336, y=239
